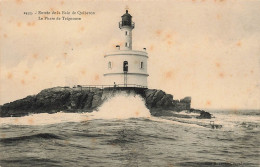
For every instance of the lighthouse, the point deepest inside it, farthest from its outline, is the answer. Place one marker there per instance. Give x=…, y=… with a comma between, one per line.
x=126, y=67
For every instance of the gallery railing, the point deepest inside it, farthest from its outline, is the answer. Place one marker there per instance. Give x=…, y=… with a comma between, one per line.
x=110, y=86
x=130, y=24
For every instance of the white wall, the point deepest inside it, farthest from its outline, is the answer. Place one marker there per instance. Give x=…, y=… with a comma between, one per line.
x=126, y=38
x=136, y=74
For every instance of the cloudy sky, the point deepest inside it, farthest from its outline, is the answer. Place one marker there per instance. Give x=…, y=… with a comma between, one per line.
x=206, y=49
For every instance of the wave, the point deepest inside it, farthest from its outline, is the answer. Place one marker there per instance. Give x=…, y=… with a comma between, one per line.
x=250, y=125
x=176, y=121
x=46, y=136
x=232, y=121
x=121, y=106
x=44, y=119
x=255, y=112
x=213, y=164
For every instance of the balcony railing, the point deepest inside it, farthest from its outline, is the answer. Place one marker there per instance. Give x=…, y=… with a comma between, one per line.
x=110, y=86
x=125, y=24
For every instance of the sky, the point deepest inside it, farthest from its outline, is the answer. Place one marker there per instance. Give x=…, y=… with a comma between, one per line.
x=206, y=49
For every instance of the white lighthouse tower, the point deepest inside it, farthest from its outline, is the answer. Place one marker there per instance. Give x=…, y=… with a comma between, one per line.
x=126, y=67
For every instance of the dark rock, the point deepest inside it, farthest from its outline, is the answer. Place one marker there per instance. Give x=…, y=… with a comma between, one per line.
x=186, y=100
x=149, y=97
x=82, y=99
x=158, y=99
x=203, y=114
x=96, y=100
x=54, y=100
x=160, y=112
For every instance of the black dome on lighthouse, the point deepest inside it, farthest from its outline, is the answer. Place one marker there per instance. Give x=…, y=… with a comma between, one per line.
x=126, y=14
x=126, y=19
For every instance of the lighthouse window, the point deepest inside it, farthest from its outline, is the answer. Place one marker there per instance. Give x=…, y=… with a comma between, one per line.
x=126, y=44
x=125, y=66
x=142, y=65
x=126, y=33
x=109, y=65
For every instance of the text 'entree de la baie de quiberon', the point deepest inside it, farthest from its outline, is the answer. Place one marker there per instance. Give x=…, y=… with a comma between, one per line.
x=66, y=12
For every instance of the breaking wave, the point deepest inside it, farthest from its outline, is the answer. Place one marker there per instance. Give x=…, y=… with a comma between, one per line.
x=46, y=136
x=120, y=106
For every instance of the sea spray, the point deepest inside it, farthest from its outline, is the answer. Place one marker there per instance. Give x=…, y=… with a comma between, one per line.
x=120, y=106
x=44, y=119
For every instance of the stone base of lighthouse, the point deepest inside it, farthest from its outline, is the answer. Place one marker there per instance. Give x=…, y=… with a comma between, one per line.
x=132, y=80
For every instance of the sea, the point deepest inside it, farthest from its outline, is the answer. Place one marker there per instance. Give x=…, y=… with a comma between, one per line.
x=123, y=133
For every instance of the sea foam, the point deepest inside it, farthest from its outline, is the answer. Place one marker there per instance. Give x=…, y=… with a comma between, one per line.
x=120, y=106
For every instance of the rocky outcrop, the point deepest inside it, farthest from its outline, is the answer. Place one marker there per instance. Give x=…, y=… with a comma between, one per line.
x=158, y=99
x=203, y=114
x=80, y=99
x=54, y=100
